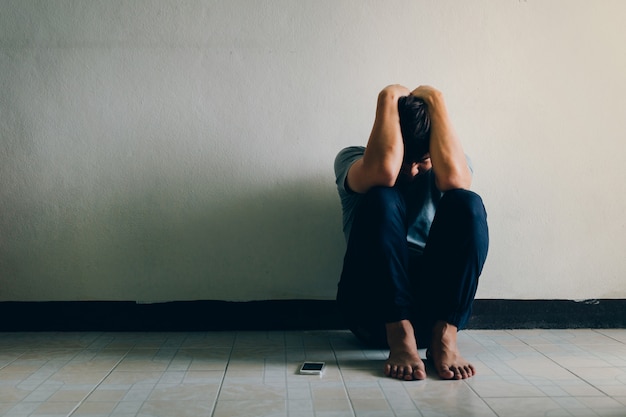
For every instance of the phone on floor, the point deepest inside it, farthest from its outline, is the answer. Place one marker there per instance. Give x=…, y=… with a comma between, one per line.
x=312, y=368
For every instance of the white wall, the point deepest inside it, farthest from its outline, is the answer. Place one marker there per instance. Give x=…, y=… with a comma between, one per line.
x=158, y=150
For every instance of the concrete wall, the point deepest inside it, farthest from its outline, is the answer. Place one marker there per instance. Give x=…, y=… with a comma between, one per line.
x=157, y=150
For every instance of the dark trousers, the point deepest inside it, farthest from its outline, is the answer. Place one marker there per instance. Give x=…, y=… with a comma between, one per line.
x=382, y=282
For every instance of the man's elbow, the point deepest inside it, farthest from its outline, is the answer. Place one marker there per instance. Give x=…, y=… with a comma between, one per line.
x=362, y=178
x=386, y=178
x=383, y=174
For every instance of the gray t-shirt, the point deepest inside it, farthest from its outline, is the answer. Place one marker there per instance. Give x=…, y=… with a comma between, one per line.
x=423, y=197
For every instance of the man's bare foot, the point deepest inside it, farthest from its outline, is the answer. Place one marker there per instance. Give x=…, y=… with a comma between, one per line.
x=404, y=361
x=445, y=353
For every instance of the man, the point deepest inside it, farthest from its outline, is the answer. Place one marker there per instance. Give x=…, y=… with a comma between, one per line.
x=417, y=238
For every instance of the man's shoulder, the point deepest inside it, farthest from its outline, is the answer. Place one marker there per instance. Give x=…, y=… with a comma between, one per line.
x=349, y=154
x=352, y=150
x=344, y=160
x=346, y=157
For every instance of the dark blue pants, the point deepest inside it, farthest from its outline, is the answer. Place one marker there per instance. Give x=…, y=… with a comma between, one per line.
x=383, y=282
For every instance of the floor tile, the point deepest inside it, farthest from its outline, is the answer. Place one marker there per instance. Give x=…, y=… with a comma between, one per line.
x=555, y=372
x=526, y=407
x=251, y=408
x=176, y=408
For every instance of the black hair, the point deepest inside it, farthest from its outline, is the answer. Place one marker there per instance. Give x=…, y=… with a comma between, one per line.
x=415, y=127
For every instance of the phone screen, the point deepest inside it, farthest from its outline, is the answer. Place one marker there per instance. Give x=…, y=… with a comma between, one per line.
x=312, y=366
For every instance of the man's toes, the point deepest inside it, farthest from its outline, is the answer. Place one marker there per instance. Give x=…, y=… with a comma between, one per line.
x=393, y=371
x=419, y=374
x=400, y=372
x=405, y=372
x=410, y=373
x=459, y=372
x=446, y=373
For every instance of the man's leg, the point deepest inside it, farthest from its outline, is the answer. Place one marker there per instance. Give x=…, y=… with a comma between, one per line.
x=374, y=291
x=452, y=261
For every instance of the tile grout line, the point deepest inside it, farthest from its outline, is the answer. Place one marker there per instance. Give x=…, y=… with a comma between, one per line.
x=343, y=381
x=82, y=401
x=599, y=331
x=285, y=373
x=219, y=391
x=12, y=361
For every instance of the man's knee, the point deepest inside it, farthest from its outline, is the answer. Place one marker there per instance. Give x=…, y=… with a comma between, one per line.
x=465, y=204
x=383, y=202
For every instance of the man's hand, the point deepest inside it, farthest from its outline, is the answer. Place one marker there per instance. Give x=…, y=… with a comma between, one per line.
x=428, y=94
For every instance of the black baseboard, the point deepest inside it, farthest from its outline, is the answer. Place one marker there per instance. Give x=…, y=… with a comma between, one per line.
x=286, y=315
x=171, y=316
x=548, y=314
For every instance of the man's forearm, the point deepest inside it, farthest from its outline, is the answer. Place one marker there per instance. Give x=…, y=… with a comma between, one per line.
x=446, y=152
x=384, y=153
x=385, y=147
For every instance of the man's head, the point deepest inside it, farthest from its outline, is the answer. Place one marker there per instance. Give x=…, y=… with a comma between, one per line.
x=415, y=127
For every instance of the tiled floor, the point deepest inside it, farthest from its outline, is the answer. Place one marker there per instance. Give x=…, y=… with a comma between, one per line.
x=520, y=373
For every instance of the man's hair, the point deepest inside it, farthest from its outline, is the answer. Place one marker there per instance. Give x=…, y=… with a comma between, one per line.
x=415, y=127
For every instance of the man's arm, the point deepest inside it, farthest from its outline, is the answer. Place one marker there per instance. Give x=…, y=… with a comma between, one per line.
x=446, y=153
x=383, y=156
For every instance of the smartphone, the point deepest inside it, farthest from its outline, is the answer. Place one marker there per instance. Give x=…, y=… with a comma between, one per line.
x=312, y=368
